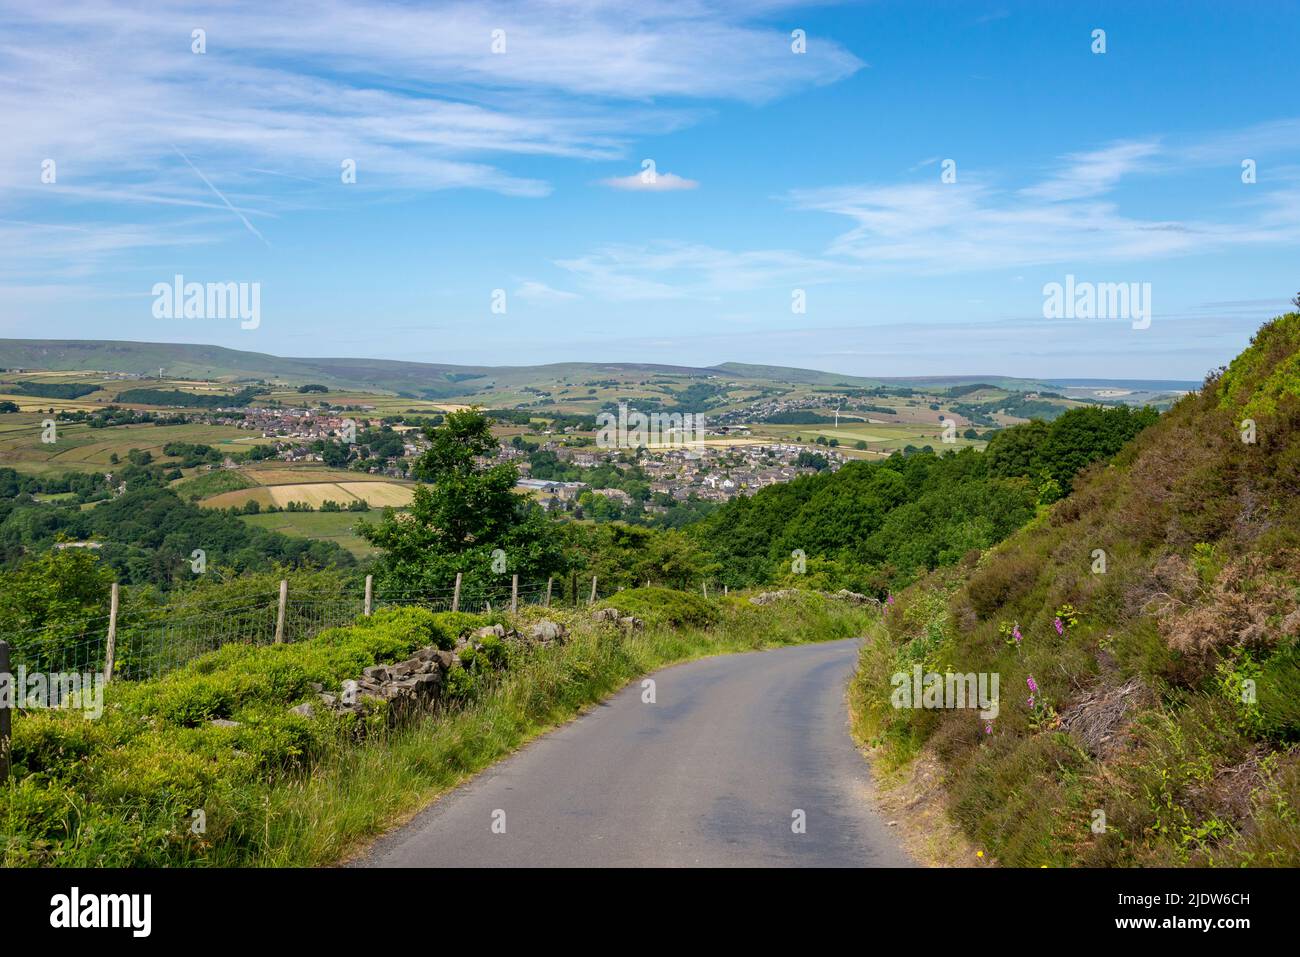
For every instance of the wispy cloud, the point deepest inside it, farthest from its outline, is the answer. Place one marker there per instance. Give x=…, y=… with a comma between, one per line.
x=1096, y=172
x=69, y=254
x=679, y=270
x=534, y=291
x=1074, y=214
x=413, y=94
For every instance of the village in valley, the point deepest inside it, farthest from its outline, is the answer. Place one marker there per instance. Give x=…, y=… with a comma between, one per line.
x=709, y=473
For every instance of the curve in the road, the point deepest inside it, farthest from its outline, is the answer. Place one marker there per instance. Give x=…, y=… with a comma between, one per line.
x=713, y=773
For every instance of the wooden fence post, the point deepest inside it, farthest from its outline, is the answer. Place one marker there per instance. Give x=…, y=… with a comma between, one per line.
x=11, y=694
x=593, y=591
x=455, y=596
x=370, y=593
x=514, y=594
x=110, y=646
x=549, y=583
x=279, y=616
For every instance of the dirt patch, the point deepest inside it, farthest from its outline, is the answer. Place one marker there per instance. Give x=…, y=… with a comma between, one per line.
x=910, y=799
x=1228, y=794
x=1101, y=717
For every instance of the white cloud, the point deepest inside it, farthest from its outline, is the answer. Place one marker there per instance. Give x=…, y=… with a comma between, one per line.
x=1068, y=217
x=70, y=253
x=1096, y=172
x=413, y=93
x=645, y=182
x=931, y=228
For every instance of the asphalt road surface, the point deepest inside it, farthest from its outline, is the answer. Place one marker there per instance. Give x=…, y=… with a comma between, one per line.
x=713, y=773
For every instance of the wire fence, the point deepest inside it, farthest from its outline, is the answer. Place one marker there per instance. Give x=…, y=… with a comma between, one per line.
x=140, y=643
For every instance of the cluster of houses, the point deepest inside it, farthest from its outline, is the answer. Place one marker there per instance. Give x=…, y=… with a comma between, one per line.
x=307, y=424
x=720, y=474
x=296, y=429
x=709, y=473
x=764, y=409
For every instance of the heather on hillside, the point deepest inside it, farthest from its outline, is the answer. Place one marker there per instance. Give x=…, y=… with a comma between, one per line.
x=1145, y=631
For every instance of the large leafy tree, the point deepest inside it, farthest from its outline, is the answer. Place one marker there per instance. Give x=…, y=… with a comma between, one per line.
x=465, y=518
x=627, y=556
x=51, y=602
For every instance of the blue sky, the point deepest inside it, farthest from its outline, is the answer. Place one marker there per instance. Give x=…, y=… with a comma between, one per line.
x=776, y=171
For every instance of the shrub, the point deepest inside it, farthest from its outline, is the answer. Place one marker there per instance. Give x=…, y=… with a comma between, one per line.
x=1278, y=695
x=490, y=654
x=1008, y=576
x=423, y=626
x=665, y=606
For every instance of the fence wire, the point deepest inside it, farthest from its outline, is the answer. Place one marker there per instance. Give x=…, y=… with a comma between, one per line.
x=152, y=642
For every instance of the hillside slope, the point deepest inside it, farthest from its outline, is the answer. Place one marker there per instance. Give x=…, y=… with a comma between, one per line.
x=204, y=361
x=1144, y=632
x=443, y=380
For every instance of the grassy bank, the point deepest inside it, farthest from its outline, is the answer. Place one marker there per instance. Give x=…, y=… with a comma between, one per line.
x=1145, y=632
x=282, y=789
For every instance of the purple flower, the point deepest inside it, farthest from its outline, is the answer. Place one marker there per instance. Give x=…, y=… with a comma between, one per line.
x=1015, y=633
x=1059, y=625
x=988, y=728
x=1031, y=701
x=889, y=599
x=1033, y=685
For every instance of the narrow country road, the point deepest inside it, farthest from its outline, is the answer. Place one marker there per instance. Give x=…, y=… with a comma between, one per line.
x=711, y=774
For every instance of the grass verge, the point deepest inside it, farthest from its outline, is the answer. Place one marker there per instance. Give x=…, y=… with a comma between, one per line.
x=286, y=790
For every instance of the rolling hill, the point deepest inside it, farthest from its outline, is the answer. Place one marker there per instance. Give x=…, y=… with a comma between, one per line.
x=428, y=380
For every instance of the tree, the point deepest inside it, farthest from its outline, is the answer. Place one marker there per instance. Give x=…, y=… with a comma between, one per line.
x=49, y=602
x=461, y=514
x=677, y=560
x=335, y=454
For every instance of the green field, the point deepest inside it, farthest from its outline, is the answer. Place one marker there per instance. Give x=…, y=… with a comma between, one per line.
x=879, y=437
x=79, y=448
x=372, y=403
x=207, y=484
x=327, y=526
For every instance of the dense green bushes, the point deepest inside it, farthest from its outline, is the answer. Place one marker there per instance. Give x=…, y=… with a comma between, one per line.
x=876, y=526
x=154, y=757
x=664, y=606
x=148, y=536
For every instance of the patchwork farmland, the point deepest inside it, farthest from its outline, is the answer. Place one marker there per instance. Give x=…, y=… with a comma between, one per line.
x=316, y=494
